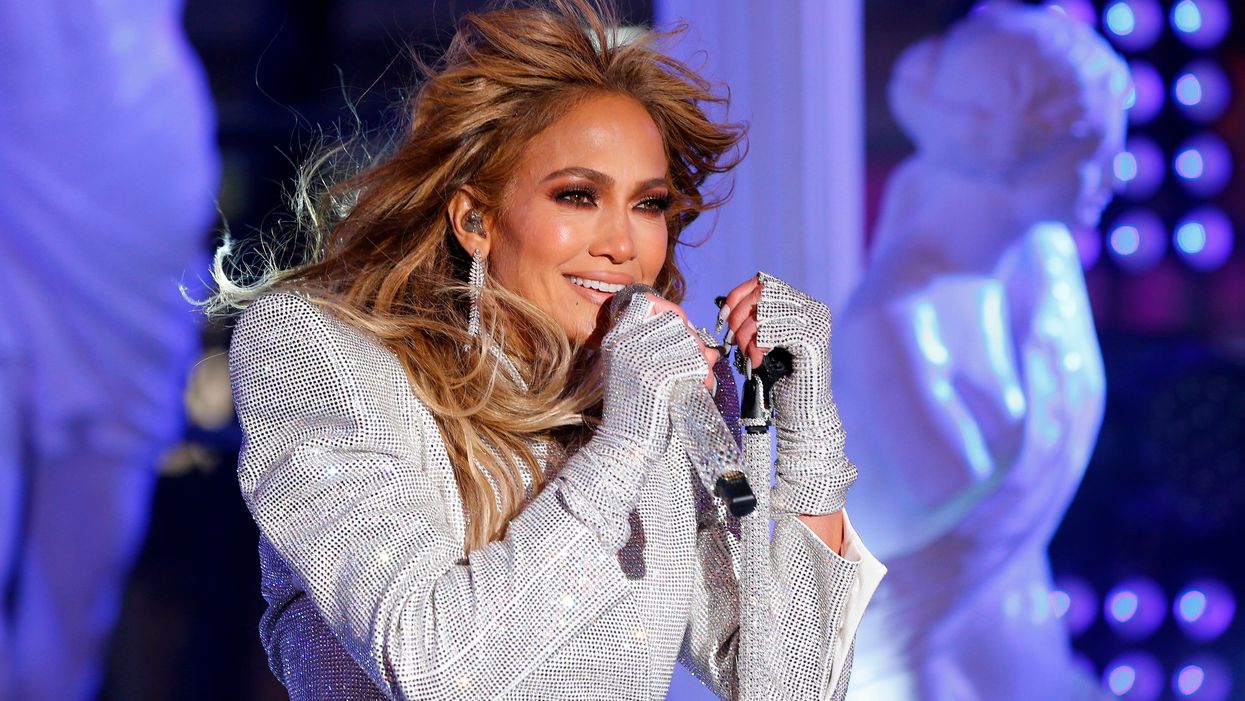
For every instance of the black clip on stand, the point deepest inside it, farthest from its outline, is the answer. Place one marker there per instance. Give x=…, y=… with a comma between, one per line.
x=732, y=487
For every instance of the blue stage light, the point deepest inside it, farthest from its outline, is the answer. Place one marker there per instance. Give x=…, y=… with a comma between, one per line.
x=1187, y=90
x=1204, y=609
x=1124, y=603
x=1191, y=238
x=1189, y=680
x=1136, y=608
x=1134, y=675
x=1119, y=19
x=1133, y=25
x=1125, y=166
x=1204, y=677
x=1203, y=91
x=1189, y=164
x=1202, y=24
x=1120, y=679
x=1204, y=164
x=1125, y=240
x=1186, y=17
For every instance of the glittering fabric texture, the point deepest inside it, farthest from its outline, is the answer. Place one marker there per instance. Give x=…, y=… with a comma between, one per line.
x=620, y=566
x=813, y=471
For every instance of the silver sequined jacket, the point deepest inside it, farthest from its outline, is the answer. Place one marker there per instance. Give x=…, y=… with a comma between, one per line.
x=369, y=595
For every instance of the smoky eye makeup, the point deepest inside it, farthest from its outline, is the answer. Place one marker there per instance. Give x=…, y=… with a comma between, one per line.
x=577, y=195
x=659, y=201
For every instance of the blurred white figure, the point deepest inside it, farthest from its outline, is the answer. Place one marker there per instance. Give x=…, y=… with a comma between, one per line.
x=110, y=170
x=966, y=363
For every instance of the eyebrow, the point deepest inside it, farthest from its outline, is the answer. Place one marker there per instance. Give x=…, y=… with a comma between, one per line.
x=598, y=177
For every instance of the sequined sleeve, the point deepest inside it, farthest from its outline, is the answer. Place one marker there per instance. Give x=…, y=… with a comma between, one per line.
x=342, y=491
x=820, y=599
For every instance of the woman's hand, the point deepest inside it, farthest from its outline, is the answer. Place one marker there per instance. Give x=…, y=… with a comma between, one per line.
x=763, y=313
x=651, y=346
x=710, y=354
x=813, y=471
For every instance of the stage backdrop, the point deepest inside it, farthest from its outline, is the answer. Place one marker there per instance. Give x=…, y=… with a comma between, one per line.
x=794, y=72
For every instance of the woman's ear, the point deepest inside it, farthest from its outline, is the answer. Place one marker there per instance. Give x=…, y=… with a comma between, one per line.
x=472, y=227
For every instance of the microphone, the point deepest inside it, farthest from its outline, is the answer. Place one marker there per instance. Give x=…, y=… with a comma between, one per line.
x=706, y=438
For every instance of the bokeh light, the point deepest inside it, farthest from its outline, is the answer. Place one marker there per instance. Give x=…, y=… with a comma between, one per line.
x=1133, y=675
x=1204, y=609
x=1149, y=92
x=1082, y=603
x=1204, y=238
x=1201, y=24
x=1145, y=163
x=1133, y=25
x=1135, y=608
x=1137, y=241
x=1202, y=90
x=1203, y=164
x=1202, y=678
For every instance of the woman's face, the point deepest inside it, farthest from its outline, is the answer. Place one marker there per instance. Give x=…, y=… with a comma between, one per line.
x=585, y=213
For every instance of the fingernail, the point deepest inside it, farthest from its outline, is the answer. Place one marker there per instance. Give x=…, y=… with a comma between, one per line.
x=719, y=300
x=723, y=313
x=730, y=337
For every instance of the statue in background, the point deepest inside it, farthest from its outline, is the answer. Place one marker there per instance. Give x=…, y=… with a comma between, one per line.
x=966, y=362
x=107, y=145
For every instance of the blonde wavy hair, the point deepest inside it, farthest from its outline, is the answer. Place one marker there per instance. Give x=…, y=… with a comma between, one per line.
x=382, y=256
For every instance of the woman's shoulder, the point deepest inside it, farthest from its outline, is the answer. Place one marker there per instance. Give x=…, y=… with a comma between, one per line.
x=294, y=328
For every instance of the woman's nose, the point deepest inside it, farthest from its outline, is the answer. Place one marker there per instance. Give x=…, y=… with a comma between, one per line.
x=615, y=239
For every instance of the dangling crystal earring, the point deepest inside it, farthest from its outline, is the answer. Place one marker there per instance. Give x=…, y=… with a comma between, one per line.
x=475, y=279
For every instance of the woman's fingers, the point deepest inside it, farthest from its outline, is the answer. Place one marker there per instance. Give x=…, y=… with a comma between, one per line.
x=746, y=338
x=741, y=290
x=744, y=309
x=739, y=312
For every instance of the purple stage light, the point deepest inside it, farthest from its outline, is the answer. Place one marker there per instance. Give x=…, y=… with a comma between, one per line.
x=1204, y=165
x=1133, y=25
x=1135, y=608
x=1204, y=238
x=1204, y=609
x=1088, y=246
x=1202, y=24
x=1082, y=603
x=1145, y=164
x=1133, y=675
x=1146, y=100
x=1202, y=678
x=1202, y=91
x=1137, y=241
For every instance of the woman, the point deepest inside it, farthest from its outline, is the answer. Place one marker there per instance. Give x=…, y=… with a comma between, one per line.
x=465, y=482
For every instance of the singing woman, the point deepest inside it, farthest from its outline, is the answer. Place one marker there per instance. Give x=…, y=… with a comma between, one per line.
x=464, y=476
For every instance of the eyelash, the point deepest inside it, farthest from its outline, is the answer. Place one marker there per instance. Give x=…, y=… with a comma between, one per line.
x=575, y=196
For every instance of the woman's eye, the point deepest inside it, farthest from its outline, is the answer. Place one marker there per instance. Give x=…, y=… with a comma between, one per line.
x=655, y=204
x=578, y=197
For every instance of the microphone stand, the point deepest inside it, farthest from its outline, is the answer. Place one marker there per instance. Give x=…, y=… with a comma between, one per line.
x=758, y=627
x=712, y=450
